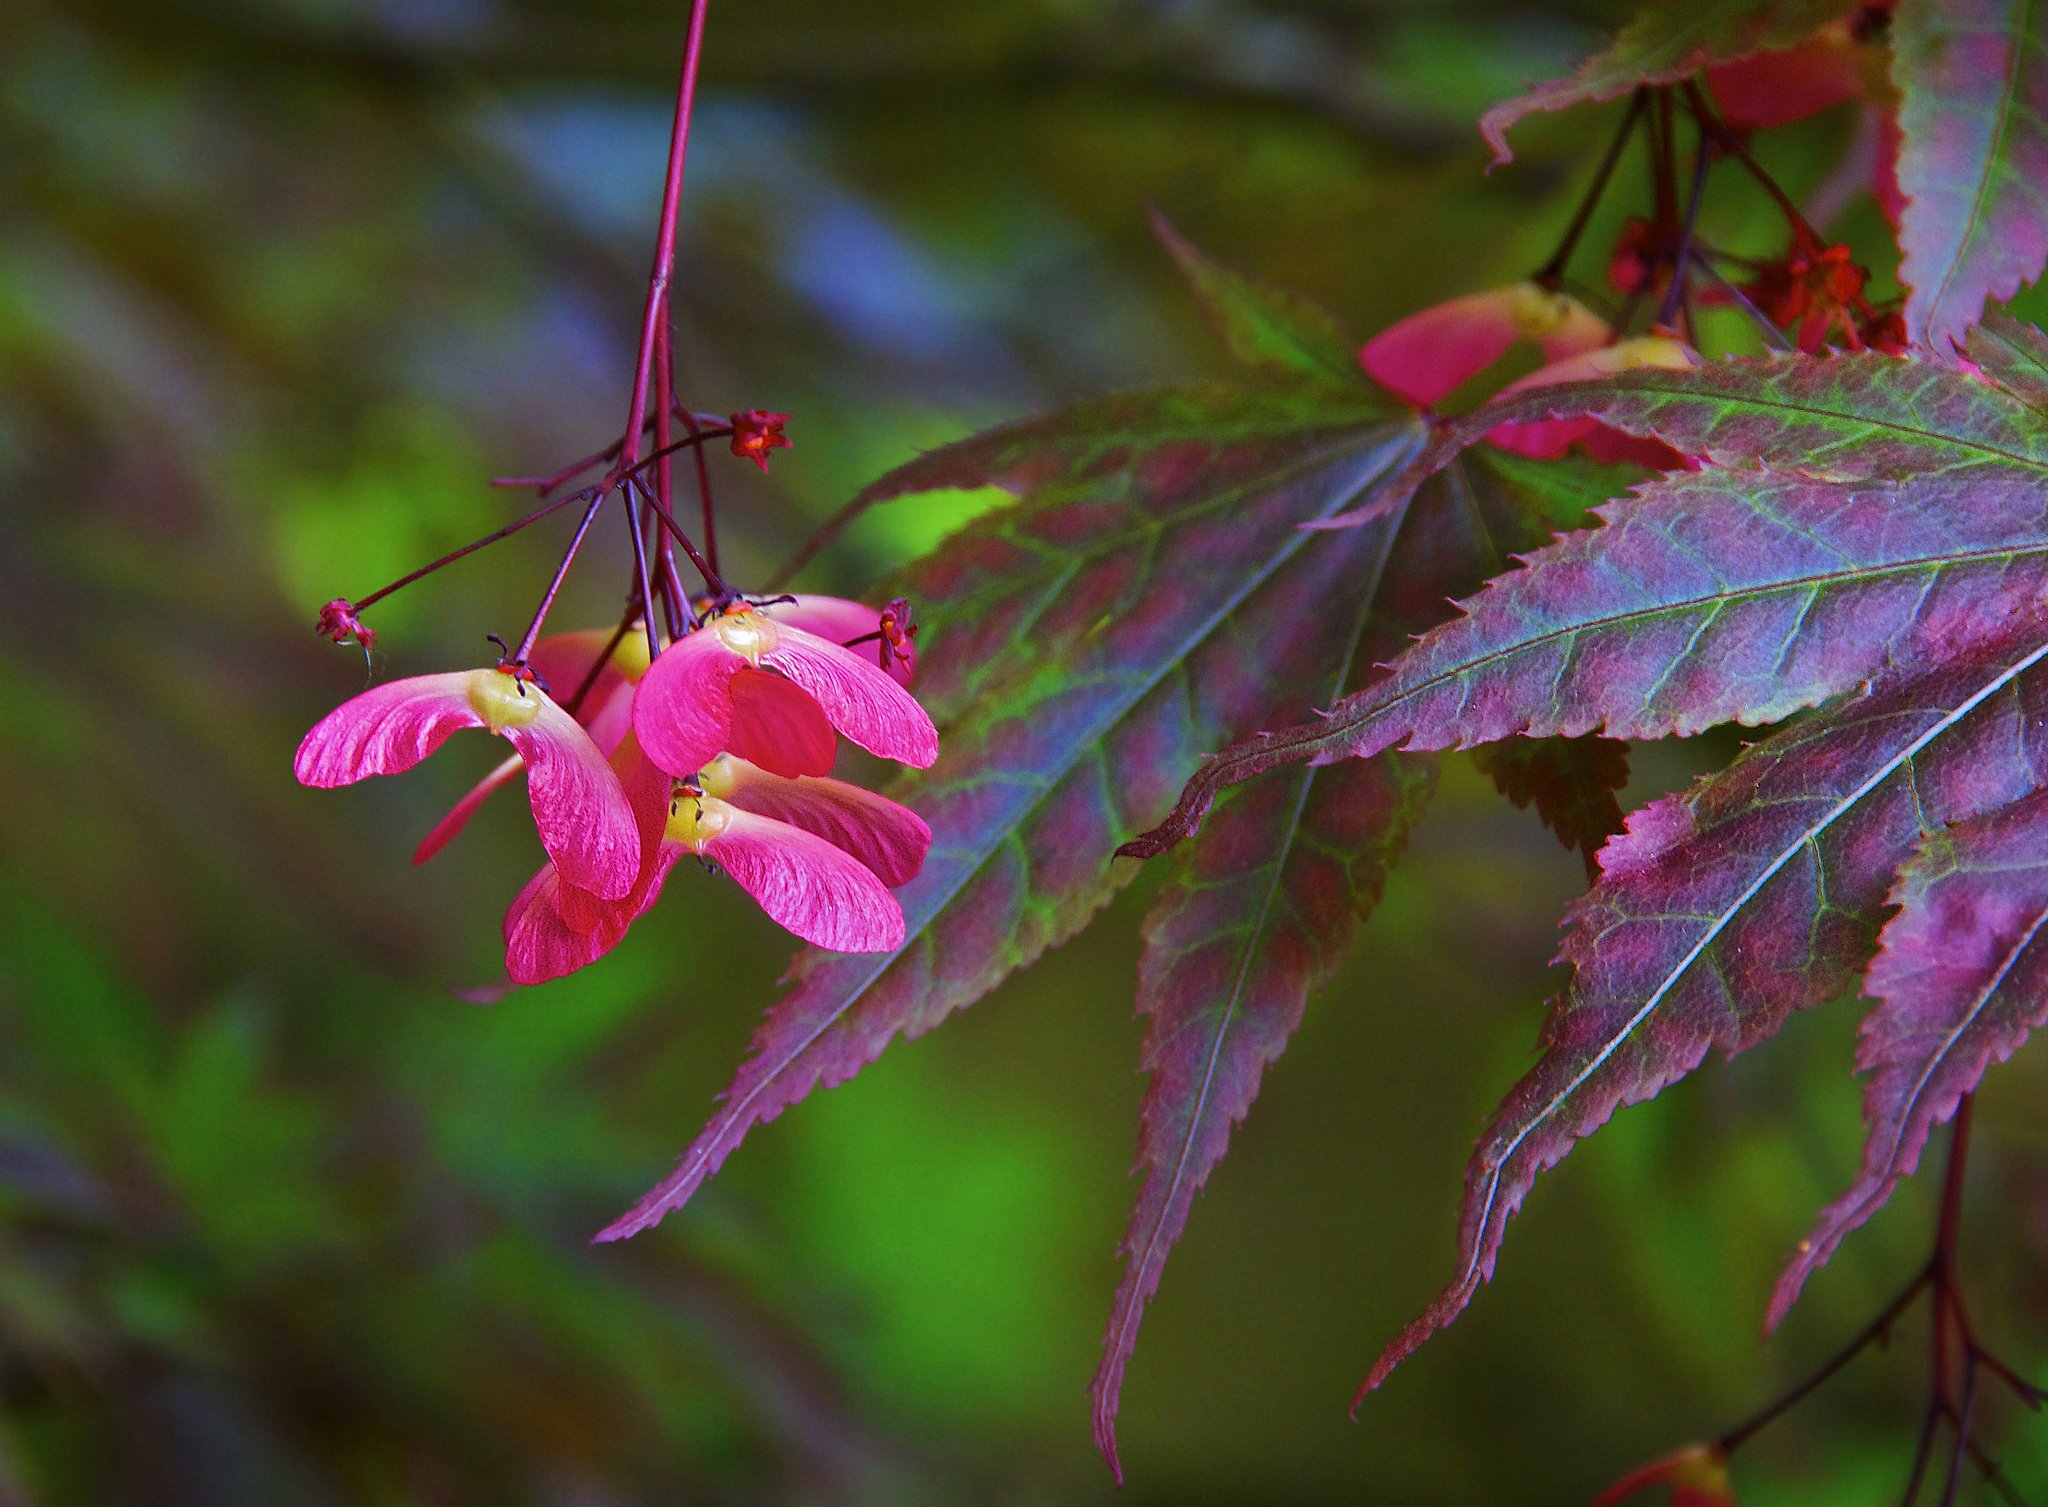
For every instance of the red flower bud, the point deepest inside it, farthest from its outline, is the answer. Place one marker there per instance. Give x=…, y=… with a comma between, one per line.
x=756, y=432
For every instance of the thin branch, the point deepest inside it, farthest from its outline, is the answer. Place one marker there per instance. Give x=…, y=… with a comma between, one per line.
x=472, y=547
x=1551, y=271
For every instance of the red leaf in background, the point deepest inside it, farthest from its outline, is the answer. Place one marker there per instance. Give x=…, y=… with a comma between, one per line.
x=1667, y=41
x=1778, y=87
x=1697, y=1476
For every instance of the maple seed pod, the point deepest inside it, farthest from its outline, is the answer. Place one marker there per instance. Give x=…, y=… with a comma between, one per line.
x=695, y=819
x=500, y=699
x=746, y=632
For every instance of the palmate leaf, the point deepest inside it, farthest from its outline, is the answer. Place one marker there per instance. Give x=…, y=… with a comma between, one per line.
x=1667, y=41
x=1972, y=77
x=1257, y=916
x=1721, y=911
x=1260, y=907
x=1960, y=978
x=1134, y=606
x=1898, y=576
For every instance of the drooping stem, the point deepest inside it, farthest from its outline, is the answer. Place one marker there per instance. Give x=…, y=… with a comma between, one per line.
x=664, y=472
x=547, y=484
x=640, y=569
x=712, y=580
x=697, y=437
x=1549, y=273
x=712, y=429
x=651, y=367
x=543, y=511
x=1732, y=143
x=655, y=315
x=540, y=613
x=1676, y=296
x=1774, y=337
x=1664, y=161
x=700, y=433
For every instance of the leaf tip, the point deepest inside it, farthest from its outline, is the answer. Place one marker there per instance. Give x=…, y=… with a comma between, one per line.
x=1105, y=1436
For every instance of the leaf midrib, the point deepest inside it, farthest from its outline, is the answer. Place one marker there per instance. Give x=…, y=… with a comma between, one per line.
x=1477, y=663
x=1254, y=936
x=1935, y=438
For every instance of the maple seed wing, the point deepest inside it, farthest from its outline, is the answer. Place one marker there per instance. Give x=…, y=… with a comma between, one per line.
x=889, y=840
x=839, y=620
x=858, y=697
x=779, y=725
x=682, y=707
x=553, y=929
x=539, y=944
x=807, y=886
x=579, y=807
x=386, y=730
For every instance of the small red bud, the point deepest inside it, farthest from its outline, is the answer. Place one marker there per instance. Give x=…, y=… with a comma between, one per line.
x=756, y=432
x=339, y=622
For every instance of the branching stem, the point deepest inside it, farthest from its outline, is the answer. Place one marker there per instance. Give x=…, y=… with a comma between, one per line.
x=1553, y=270
x=1956, y=1361
x=1732, y=143
x=544, y=510
x=712, y=580
x=1772, y=336
x=547, y=601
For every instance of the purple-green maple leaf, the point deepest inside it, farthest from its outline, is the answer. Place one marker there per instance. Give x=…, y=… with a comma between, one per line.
x=1709, y=597
x=1758, y=893
x=1960, y=978
x=1667, y=41
x=1913, y=553
x=1257, y=917
x=1260, y=908
x=1088, y=643
x=1972, y=77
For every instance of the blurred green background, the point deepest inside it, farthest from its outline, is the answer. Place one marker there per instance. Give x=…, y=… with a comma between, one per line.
x=284, y=1221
